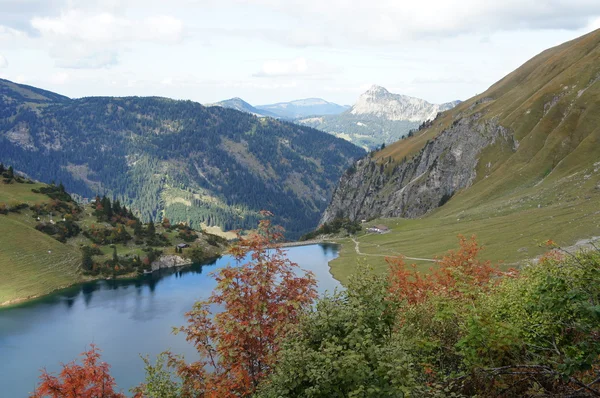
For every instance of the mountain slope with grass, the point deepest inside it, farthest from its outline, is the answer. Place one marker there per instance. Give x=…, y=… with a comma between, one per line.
x=177, y=159
x=48, y=241
x=517, y=164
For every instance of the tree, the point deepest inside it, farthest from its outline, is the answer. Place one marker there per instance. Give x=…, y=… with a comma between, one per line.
x=260, y=300
x=166, y=223
x=91, y=379
x=117, y=207
x=137, y=228
x=87, y=261
x=346, y=347
x=115, y=256
x=151, y=228
x=10, y=173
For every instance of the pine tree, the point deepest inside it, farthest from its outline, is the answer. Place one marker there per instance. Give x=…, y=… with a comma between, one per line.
x=87, y=262
x=117, y=207
x=151, y=228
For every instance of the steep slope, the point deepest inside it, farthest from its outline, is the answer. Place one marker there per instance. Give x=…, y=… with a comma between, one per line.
x=303, y=108
x=530, y=141
x=240, y=105
x=178, y=158
x=378, y=117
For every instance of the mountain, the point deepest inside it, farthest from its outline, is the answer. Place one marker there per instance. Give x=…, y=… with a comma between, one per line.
x=240, y=105
x=379, y=102
x=517, y=164
x=174, y=158
x=284, y=110
x=378, y=117
x=303, y=108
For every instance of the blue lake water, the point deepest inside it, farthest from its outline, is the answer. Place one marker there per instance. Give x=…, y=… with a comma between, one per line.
x=123, y=318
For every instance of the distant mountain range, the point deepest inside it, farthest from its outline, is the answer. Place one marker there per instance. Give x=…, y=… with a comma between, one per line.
x=303, y=108
x=285, y=110
x=240, y=105
x=174, y=158
x=378, y=117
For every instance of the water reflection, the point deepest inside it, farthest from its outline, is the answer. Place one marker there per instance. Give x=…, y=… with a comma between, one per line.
x=124, y=318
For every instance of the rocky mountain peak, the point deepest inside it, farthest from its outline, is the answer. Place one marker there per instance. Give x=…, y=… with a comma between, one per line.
x=375, y=90
x=378, y=101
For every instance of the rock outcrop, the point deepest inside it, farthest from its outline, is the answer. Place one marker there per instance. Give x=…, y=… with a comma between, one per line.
x=169, y=261
x=413, y=187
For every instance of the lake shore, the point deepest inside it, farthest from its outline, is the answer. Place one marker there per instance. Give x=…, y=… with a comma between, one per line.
x=88, y=278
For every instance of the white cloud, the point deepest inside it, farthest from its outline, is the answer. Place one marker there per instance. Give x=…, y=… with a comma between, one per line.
x=80, y=39
x=390, y=21
x=3, y=62
x=295, y=67
x=10, y=35
x=109, y=28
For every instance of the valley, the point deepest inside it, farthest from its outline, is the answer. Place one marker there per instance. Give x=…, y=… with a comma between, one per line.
x=155, y=247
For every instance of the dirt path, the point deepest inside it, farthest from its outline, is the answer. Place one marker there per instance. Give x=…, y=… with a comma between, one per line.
x=357, y=249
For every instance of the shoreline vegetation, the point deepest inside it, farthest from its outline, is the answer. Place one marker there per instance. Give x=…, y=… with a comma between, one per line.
x=131, y=276
x=51, y=242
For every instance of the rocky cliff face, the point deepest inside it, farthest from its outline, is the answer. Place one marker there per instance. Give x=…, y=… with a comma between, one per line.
x=413, y=187
x=377, y=101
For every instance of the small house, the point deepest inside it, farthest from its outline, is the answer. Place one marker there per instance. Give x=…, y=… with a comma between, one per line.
x=183, y=246
x=378, y=229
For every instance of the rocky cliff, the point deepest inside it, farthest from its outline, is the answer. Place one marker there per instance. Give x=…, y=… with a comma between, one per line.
x=413, y=187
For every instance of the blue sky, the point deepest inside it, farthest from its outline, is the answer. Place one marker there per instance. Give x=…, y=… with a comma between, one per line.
x=269, y=51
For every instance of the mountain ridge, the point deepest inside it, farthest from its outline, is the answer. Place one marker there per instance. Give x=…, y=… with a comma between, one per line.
x=176, y=158
x=240, y=105
x=303, y=107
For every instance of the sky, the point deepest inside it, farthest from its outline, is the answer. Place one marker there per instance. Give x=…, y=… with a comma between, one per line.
x=267, y=51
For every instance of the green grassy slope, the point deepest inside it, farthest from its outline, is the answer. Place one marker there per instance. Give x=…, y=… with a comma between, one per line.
x=31, y=262
x=545, y=187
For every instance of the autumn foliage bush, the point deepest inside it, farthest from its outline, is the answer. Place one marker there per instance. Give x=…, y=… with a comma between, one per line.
x=90, y=379
x=460, y=273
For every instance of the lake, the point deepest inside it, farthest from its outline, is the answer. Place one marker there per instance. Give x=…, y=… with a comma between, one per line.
x=124, y=318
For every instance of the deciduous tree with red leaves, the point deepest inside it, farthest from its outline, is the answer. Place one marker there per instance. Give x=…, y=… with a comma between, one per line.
x=458, y=274
x=237, y=330
x=91, y=379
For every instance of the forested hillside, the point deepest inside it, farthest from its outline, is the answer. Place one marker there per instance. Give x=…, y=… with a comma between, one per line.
x=174, y=158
